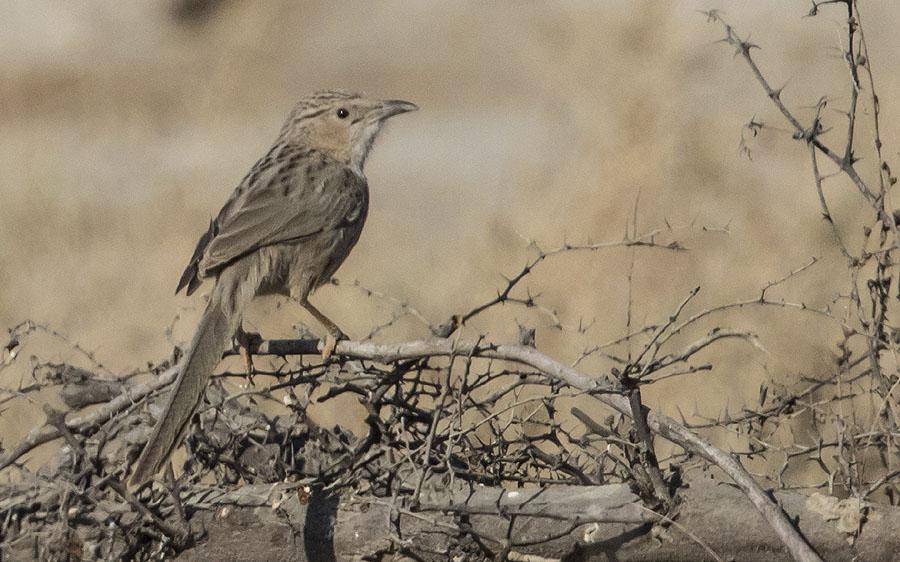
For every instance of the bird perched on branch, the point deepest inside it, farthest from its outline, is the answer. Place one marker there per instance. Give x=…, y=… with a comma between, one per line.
x=285, y=230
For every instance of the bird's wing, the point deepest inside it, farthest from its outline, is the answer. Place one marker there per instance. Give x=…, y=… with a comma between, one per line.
x=284, y=200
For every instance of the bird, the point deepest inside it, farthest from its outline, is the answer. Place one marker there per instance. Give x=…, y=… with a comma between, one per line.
x=286, y=229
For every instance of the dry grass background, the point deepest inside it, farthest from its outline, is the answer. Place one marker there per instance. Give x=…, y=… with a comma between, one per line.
x=125, y=128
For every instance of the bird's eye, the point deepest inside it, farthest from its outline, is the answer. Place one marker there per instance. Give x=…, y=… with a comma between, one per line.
x=342, y=113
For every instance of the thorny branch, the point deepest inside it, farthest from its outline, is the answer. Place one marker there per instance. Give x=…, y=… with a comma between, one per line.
x=441, y=417
x=866, y=363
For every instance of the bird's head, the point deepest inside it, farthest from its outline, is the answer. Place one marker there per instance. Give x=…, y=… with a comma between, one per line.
x=341, y=124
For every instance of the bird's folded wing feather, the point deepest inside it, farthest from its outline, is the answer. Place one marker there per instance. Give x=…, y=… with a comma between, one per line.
x=284, y=207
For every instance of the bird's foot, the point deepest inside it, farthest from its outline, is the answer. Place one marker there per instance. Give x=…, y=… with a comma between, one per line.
x=330, y=343
x=247, y=342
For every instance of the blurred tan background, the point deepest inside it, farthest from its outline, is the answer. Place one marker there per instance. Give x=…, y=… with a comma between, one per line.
x=126, y=125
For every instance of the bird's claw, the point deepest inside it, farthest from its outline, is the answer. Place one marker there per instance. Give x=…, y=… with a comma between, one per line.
x=247, y=342
x=329, y=344
x=248, y=360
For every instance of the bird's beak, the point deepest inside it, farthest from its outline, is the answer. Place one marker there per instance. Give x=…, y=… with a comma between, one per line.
x=390, y=108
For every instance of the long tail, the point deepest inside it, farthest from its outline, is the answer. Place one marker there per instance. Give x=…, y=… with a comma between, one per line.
x=213, y=335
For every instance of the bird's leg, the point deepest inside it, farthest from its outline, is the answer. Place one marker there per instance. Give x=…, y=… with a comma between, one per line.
x=247, y=341
x=334, y=333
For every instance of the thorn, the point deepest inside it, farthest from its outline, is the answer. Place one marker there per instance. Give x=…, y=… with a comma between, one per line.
x=724, y=40
x=711, y=15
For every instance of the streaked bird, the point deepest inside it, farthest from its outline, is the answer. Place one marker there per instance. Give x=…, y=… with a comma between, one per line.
x=286, y=229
